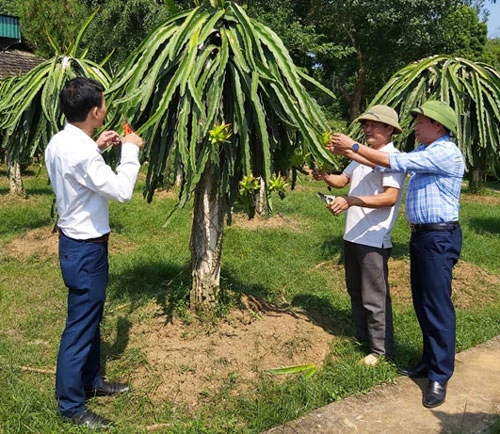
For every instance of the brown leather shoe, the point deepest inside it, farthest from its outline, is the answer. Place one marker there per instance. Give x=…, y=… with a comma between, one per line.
x=434, y=394
x=107, y=388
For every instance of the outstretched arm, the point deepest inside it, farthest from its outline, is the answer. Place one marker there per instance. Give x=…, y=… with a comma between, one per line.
x=342, y=144
x=335, y=181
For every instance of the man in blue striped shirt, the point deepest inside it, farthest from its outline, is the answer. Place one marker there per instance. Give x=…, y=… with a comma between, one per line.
x=436, y=170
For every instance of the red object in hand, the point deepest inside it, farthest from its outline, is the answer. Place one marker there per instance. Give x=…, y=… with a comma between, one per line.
x=127, y=129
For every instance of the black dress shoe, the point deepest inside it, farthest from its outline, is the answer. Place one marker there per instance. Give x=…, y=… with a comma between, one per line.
x=419, y=371
x=90, y=420
x=435, y=394
x=107, y=388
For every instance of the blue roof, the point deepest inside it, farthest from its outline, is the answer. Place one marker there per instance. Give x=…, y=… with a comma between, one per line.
x=9, y=27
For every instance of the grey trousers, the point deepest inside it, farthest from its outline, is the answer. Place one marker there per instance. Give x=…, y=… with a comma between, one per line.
x=366, y=274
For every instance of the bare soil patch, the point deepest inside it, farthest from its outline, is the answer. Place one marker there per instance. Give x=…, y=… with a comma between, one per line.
x=241, y=220
x=190, y=363
x=39, y=242
x=472, y=286
x=483, y=200
x=166, y=194
x=42, y=242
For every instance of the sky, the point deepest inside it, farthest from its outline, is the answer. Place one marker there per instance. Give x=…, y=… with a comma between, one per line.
x=493, y=19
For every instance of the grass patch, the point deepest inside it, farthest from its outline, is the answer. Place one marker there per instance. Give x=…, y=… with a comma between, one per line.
x=291, y=263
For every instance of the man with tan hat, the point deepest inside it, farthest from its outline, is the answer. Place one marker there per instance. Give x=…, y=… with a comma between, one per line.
x=371, y=210
x=432, y=209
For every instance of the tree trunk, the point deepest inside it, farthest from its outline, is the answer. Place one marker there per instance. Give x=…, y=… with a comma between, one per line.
x=15, y=180
x=476, y=179
x=179, y=177
x=354, y=99
x=206, y=243
x=477, y=170
x=261, y=202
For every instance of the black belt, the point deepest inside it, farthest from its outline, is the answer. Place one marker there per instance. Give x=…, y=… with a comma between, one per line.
x=427, y=227
x=102, y=239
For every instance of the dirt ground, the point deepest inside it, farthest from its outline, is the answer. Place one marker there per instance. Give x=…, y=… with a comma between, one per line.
x=187, y=362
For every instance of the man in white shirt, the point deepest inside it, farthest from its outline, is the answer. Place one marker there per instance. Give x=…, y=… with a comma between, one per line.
x=83, y=184
x=372, y=207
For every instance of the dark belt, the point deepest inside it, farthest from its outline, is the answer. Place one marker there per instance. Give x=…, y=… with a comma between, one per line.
x=427, y=227
x=102, y=239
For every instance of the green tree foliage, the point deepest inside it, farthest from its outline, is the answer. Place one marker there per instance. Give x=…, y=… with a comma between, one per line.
x=227, y=68
x=471, y=88
x=120, y=26
x=492, y=53
x=59, y=19
x=216, y=97
x=352, y=46
x=463, y=34
x=8, y=7
x=302, y=38
x=29, y=105
x=383, y=36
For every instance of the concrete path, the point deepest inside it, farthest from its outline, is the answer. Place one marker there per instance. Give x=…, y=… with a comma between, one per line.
x=472, y=403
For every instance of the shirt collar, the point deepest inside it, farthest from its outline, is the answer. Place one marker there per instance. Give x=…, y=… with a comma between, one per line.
x=445, y=138
x=70, y=128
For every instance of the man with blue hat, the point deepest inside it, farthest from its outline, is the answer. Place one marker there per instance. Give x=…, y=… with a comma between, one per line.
x=436, y=170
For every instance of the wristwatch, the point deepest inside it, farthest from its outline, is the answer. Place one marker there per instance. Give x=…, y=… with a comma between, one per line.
x=355, y=147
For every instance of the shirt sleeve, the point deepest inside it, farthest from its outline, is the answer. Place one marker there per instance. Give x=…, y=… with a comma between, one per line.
x=348, y=171
x=433, y=159
x=117, y=186
x=393, y=179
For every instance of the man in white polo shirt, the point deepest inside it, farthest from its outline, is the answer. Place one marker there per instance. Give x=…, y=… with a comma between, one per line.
x=371, y=207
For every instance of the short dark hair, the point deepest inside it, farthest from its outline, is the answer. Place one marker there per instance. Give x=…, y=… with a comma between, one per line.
x=79, y=96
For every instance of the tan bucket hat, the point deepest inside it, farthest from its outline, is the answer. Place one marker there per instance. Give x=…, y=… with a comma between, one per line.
x=384, y=114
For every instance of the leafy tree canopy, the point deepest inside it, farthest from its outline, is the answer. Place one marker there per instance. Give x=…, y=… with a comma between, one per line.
x=120, y=26
x=61, y=19
x=384, y=36
x=464, y=35
x=352, y=46
x=8, y=7
x=492, y=53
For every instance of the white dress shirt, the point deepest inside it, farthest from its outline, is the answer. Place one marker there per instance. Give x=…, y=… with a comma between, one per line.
x=83, y=182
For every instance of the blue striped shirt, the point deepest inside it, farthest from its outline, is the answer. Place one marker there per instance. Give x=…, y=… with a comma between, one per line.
x=436, y=173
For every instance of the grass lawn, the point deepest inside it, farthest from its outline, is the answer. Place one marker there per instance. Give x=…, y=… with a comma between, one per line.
x=292, y=262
